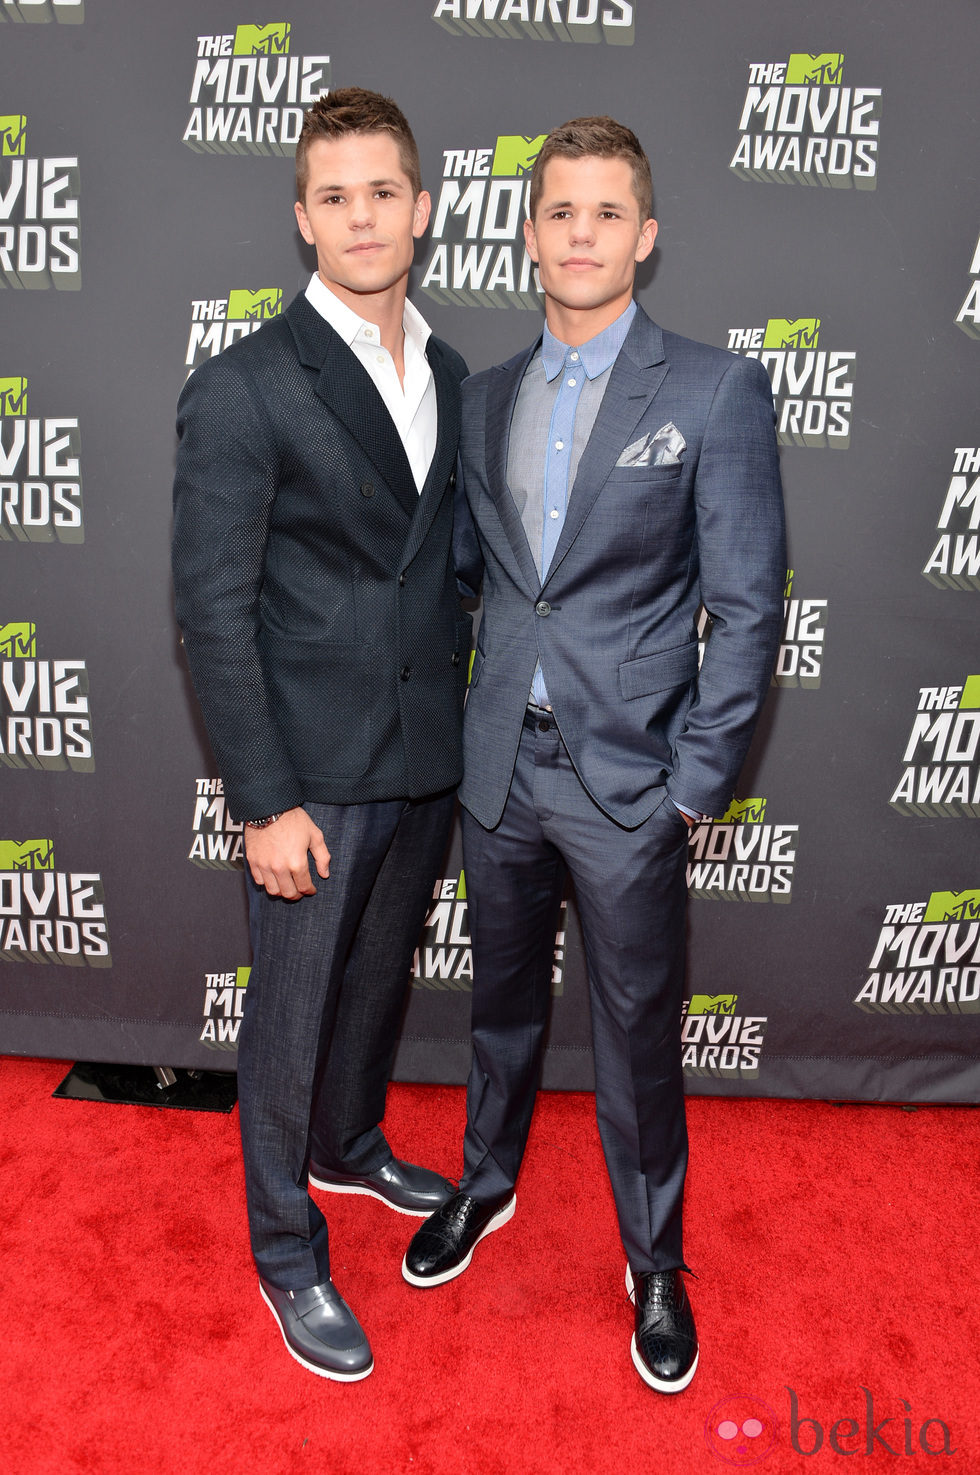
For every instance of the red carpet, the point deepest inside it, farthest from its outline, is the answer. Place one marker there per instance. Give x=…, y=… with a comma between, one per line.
x=836, y=1249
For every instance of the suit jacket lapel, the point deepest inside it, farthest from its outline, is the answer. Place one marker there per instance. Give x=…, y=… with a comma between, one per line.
x=636, y=376
x=348, y=390
x=444, y=456
x=502, y=392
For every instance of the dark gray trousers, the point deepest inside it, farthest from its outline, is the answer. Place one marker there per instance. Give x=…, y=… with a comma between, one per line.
x=631, y=894
x=321, y=1017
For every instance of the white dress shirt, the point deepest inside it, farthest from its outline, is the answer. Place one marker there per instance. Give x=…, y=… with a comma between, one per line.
x=412, y=403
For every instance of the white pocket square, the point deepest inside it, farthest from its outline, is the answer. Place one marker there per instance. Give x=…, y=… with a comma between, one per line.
x=663, y=449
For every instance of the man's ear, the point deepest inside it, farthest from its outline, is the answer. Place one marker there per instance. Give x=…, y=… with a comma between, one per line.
x=423, y=209
x=648, y=235
x=302, y=220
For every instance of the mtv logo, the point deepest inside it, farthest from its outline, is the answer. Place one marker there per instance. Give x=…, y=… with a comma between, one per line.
x=241, y=977
x=971, y=693
x=26, y=855
x=744, y=812
x=271, y=40
x=953, y=906
x=13, y=134
x=791, y=333
x=245, y=305
x=18, y=642
x=712, y=1004
x=815, y=69
x=515, y=153
x=788, y=589
x=13, y=396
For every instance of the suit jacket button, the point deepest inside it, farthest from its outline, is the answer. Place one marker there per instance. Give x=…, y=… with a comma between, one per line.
x=455, y=657
x=542, y=608
x=367, y=490
x=405, y=672
x=401, y=581
x=452, y=478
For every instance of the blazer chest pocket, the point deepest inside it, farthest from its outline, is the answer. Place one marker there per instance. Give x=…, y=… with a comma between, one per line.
x=662, y=671
x=657, y=477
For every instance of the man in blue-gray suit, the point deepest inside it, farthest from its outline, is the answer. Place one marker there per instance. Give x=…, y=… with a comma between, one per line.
x=316, y=592
x=615, y=477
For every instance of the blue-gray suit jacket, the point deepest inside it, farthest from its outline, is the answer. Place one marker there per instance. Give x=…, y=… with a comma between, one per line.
x=614, y=621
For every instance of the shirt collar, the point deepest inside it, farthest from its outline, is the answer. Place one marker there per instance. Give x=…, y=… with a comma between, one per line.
x=598, y=355
x=350, y=325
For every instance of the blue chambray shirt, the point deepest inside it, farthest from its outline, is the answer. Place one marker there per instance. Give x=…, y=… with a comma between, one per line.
x=556, y=408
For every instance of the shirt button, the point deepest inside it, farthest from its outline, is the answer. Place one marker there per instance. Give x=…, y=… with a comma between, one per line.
x=553, y=512
x=367, y=490
x=379, y=358
x=559, y=445
x=369, y=332
x=573, y=357
x=572, y=383
x=405, y=672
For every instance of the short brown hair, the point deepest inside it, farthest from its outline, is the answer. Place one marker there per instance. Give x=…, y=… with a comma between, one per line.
x=601, y=138
x=356, y=110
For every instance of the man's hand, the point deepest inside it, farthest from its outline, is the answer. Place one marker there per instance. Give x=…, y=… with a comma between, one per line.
x=278, y=855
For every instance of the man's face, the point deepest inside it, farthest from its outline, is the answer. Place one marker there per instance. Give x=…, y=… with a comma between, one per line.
x=587, y=236
x=359, y=213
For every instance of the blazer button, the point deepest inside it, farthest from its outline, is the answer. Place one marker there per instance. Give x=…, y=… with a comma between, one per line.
x=455, y=657
x=401, y=581
x=542, y=608
x=452, y=478
x=367, y=490
x=405, y=672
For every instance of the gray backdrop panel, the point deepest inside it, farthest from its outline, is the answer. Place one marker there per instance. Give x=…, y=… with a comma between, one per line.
x=855, y=974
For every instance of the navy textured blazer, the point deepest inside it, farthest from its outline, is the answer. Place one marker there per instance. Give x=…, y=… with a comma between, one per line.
x=314, y=585
x=614, y=621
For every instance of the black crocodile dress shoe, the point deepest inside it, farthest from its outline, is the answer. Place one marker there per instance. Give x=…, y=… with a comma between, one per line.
x=444, y=1246
x=320, y=1331
x=665, y=1343
x=402, y=1186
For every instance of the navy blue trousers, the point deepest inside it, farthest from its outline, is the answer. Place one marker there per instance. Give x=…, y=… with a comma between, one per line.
x=321, y=1017
x=631, y=894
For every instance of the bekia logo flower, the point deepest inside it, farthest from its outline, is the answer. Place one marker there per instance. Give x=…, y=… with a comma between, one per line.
x=741, y=1430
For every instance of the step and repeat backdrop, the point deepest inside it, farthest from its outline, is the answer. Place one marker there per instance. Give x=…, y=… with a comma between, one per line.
x=815, y=174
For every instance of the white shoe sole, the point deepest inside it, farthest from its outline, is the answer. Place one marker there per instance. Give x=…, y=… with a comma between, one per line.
x=499, y=1219
x=677, y=1385
x=370, y=1193
x=312, y=1367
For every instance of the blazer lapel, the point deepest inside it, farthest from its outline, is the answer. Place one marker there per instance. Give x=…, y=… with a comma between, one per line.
x=637, y=374
x=444, y=456
x=502, y=391
x=348, y=390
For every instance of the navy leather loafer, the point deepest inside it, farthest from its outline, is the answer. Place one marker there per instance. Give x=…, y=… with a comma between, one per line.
x=665, y=1343
x=444, y=1246
x=402, y=1186
x=320, y=1331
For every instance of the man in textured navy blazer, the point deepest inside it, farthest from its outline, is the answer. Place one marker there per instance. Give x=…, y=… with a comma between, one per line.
x=316, y=593
x=615, y=477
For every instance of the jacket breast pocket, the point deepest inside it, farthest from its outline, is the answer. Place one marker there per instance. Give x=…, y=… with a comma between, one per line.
x=657, y=478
